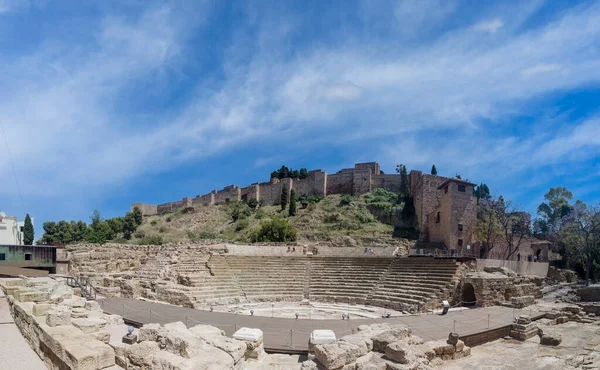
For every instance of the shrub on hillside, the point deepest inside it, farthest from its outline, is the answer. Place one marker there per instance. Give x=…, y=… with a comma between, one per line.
x=162, y=229
x=260, y=214
x=151, y=240
x=140, y=235
x=346, y=200
x=252, y=203
x=276, y=230
x=169, y=219
x=310, y=199
x=154, y=222
x=381, y=195
x=187, y=210
x=200, y=235
x=241, y=225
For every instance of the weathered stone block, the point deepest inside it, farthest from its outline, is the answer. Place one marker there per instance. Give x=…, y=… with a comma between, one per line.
x=141, y=354
x=89, y=325
x=58, y=315
x=149, y=332
x=40, y=309
x=335, y=355
x=550, y=339
x=400, y=352
x=92, y=306
x=381, y=340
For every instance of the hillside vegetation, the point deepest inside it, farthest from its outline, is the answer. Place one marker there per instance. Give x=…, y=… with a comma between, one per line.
x=337, y=220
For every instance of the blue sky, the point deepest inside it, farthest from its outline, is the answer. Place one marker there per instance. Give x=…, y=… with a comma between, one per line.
x=104, y=103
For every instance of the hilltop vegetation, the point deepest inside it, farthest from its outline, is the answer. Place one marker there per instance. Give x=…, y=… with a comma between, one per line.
x=342, y=220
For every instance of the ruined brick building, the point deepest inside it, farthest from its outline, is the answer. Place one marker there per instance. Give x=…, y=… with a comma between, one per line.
x=445, y=208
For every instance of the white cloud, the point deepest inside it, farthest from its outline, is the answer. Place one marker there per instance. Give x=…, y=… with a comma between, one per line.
x=539, y=69
x=67, y=100
x=490, y=26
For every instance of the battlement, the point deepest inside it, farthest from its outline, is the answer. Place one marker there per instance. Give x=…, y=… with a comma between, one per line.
x=354, y=181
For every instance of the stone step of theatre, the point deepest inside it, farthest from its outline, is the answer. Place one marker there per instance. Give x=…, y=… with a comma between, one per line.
x=398, y=282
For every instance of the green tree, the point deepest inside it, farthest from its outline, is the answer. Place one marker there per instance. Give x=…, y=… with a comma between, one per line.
x=482, y=192
x=116, y=224
x=78, y=230
x=292, y=210
x=405, y=186
x=99, y=233
x=488, y=228
x=49, y=236
x=284, y=197
x=284, y=172
x=129, y=225
x=550, y=213
x=28, y=232
x=433, y=170
x=275, y=230
x=95, y=218
x=303, y=173
x=63, y=233
x=581, y=235
x=274, y=174
x=138, y=216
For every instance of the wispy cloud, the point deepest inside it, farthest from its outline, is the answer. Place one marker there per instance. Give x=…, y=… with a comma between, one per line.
x=490, y=26
x=103, y=112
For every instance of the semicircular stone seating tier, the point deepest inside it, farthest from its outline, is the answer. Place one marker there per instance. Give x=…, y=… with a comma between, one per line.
x=404, y=283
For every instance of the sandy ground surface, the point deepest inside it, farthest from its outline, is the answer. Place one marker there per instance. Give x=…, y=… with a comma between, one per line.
x=580, y=349
x=313, y=310
x=15, y=353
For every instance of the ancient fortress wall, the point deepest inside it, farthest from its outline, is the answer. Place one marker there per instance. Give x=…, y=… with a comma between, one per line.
x=354, y=181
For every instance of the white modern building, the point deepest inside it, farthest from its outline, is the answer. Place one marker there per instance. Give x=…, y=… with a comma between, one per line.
x=11, y=230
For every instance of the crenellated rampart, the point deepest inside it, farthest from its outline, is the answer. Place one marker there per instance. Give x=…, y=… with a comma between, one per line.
x=354, y=181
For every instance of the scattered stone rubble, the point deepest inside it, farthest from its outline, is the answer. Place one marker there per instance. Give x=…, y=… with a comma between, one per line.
x=386, y=347
x=173, y=346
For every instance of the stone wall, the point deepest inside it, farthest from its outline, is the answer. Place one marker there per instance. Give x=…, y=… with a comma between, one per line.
x=340, y=183
x=147, y=209
x=173, y=206
x=204, y=200
x=250, y=192
x=389, y=182
x=426, y=197
x=327, y=251
x=314, y=184
x=361, y=182
x=230, y=193
x=520, y=267
x=355, y=181
x=65, y=330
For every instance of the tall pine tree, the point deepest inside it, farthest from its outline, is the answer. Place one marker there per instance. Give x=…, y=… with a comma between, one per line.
x=433, y=170
x=292, y=210
x=28, y=232
x=284, y=197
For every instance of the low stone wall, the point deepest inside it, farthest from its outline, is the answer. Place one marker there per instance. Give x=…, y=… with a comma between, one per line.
x=66, y=331
x=327, y=251
x=520, y=267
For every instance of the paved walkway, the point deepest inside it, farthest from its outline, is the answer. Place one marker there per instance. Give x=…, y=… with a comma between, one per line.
x=15, y=353
x=281, y=334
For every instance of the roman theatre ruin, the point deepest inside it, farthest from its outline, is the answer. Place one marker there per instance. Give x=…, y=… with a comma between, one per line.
x=225, y=306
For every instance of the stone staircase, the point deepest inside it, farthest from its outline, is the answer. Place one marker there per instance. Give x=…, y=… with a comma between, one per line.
x=412, y=282
x=399, y=283
x=345, y=279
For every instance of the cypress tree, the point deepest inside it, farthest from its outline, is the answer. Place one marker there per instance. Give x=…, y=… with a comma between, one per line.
x=284, y=197
x=28, y=232
x=433, y=170
x=292, y=210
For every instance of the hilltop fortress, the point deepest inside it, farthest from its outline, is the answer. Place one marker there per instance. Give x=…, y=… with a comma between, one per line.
x=445, y=208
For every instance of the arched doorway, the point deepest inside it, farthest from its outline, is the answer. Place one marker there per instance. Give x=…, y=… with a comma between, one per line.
x=482, y=252
x=468, y=295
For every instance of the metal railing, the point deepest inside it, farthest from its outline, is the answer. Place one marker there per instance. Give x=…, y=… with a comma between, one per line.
x=87, y=289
